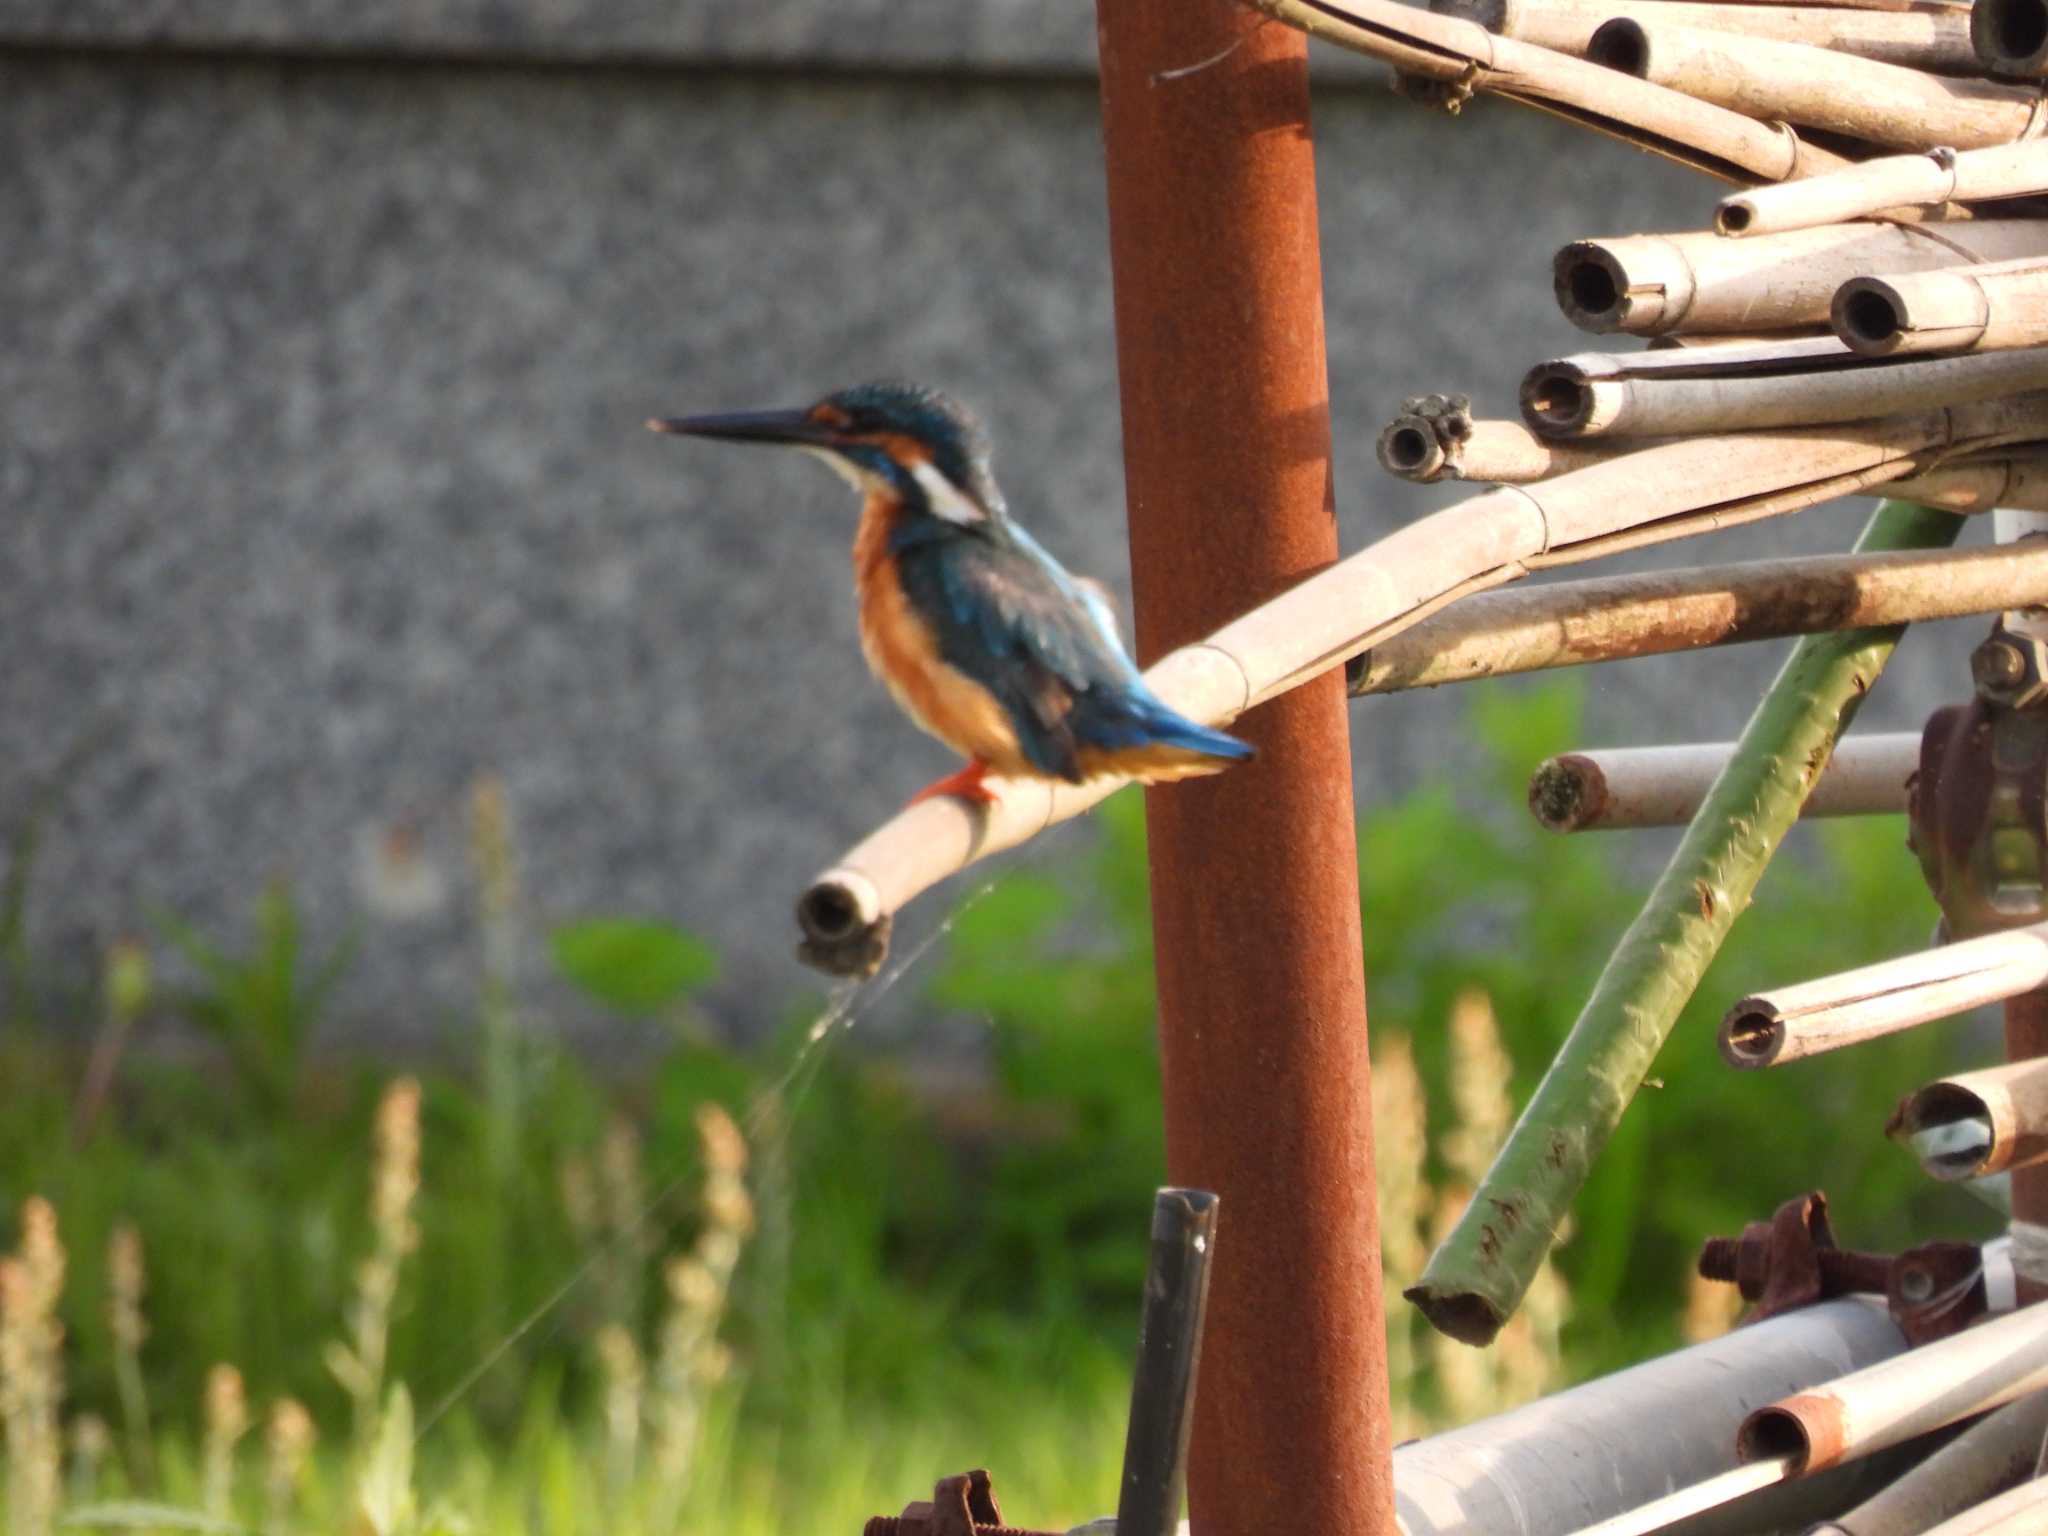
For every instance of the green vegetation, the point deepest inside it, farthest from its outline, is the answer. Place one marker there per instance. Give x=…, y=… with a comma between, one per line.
x=786, y=1289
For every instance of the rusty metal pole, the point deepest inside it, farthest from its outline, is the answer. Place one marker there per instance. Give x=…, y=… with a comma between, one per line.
x=1219, y=327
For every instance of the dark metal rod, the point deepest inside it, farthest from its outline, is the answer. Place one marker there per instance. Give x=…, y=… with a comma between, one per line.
x=1214, y=249
x=1169, y=1346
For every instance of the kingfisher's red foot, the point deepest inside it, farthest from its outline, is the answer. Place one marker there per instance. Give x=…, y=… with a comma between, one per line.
x=965, y=785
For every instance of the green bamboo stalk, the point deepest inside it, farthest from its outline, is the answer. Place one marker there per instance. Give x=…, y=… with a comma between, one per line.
x=1477, y=1276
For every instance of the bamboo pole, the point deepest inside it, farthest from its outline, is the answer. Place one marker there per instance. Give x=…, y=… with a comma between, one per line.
x=1613, y=618
x=1768, y=1029
x=1817, y=87
x=1413, y=447
x=1907, y=1396
x=2018, y=482
x=1920, y=37
x=1940, y=175
x=1808, y=382
x=2011, y=36
x=1466, y=57
x=1979, y=309
x=1654, y=285
x=1610, y=788
x=1995, y=1453
x=1477, y=1276
x=1669, y=491
x=2000, y=1116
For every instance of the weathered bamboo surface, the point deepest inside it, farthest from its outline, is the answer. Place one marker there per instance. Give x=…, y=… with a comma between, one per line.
x=1654, y=285
x=1614, y=618
x=1934, y=37
x=1465, y=56
x=1807, y=382
x=1978, y=309
x=1818, y=87
x=1788, y=1023
x=1937, y=177
x=1612, y=788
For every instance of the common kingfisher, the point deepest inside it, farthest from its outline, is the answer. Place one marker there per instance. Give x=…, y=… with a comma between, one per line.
x=984, y=639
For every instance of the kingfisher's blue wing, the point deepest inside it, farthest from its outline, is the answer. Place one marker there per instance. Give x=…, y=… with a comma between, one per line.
x=1007, y=615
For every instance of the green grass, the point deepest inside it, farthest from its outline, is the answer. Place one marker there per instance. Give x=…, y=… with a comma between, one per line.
x=924, y=1284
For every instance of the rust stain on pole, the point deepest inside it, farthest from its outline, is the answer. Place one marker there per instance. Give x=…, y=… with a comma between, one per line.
x=1213, y=240
x=2026, y=1035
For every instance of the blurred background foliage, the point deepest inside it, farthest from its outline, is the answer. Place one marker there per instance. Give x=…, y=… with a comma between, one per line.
x=937, y=1263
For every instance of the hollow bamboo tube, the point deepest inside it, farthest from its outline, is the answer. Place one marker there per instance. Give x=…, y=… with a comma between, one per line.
x=1771, y=1028
x=1668, y=491
x=2021, y=1510
x=1995, y=1453
x=1980, y=309
x=2009, y=1104
x=1465, y=55
x=1817, y=87
x=1653, y=285
x=1502, y=452
x=1898, y=1399
x=1940, y=175
x=1669, y=394
x=1614, y=618
x=2011, y=36
x=1617, y=787
x=1921, y=37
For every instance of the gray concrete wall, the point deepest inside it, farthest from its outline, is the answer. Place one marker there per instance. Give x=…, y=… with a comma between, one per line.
x=321, y=382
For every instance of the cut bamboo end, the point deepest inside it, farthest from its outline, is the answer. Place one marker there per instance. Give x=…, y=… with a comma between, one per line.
x=1978, y=1123
x=1983, y=309
x=1809, y=1018
x=1807, y=382
x=1913, y=1394
x=845, y=930
x=1700, y=283
x=1408, y=447
x=1622, y=787
x=2011, y=36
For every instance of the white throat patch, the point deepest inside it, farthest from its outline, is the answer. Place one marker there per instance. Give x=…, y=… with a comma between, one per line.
x=945, y=498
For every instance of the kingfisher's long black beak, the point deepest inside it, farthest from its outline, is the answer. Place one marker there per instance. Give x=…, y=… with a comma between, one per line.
x=794, y=427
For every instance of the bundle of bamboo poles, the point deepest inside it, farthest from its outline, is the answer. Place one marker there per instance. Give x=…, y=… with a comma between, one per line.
x=1886, y=251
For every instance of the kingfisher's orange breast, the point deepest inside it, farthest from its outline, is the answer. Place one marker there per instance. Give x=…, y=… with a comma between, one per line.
x=903, y=651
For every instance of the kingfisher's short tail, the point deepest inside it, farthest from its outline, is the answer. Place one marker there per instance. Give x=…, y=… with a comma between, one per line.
x=1142, y=738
